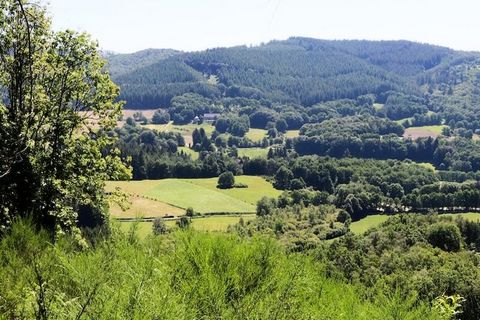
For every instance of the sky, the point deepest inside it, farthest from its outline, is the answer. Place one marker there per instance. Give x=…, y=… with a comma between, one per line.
x=126, y=26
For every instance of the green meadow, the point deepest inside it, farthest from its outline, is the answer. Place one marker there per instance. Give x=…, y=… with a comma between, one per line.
x=201, y=194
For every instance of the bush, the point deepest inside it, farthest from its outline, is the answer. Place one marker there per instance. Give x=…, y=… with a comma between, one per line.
x=226, y=180
x=184, y=223
x=343, y=216
x=189, y=212
x=265, y=206
x=445, y=236
x=297, y=184
x=161, y=117
x=159, y=226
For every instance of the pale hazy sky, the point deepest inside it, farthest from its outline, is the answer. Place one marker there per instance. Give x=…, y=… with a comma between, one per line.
x=132, y=25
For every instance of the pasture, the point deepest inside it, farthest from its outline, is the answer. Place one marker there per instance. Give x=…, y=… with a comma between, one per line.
x=253, y=152
x=292, y=133
x=360, y=226
x=425, y=131
x=256, y=134
x=200, y=194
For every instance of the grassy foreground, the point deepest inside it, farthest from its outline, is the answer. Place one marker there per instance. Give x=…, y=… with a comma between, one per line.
x=185, y=275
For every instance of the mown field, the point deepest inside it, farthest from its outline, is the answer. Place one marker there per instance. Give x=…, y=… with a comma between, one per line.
x=200, y=194
x=425, y=131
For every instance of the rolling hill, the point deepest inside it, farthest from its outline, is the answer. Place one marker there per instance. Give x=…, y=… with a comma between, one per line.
x=298, y=70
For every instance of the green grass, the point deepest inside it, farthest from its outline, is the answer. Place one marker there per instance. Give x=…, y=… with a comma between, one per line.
x=471, y=216
x=185, y=130
x=378, y=106
x=257, y=188
x=253, y=152
x=292, y=133
x=201, y=194
x=193, y=154
x=424, y=131
x=256, y=134
x=366, y=223
x=208, y=223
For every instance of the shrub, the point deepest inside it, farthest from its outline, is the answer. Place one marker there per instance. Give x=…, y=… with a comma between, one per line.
x=265, y=206
x=226, y=180
x=189, y=212
x=160, y=117
x=343, y=216
x=159, y=226
x=445, y=236
x=184, y=223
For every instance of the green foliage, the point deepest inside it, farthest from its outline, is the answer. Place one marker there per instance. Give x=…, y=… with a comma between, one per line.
x=57, y=104
x=445, y=236
x=189, y=212
x=159, y=226
x=226, y=180
x=184, y=222
x=398, y=256
x=265, y=206
x=186, y=275
x=160, y=117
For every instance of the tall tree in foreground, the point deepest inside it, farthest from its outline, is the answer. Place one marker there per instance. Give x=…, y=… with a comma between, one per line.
x=57, y=105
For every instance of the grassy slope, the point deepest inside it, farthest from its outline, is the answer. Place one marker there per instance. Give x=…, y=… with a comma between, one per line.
x=201, y=194
x=366, y=223
x=253, y=152
x=256, y=134
x=193, y=154
x=143, y=207
x=257, y=188
x=424, y=131
x=363, y=225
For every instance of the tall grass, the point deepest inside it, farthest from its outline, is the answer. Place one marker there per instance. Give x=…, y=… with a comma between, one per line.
x=187, y=275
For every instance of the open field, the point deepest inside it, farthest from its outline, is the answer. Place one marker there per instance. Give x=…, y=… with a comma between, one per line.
x=368, y=222
x=194, y=154
x=148, y=113
x=208, y=223
x=257, y=188
x=185, y=130
x=144, y=207
x=253, y=152
x=378, y=106
x=292, y=133
x=425, y=131
x=256, y=134
x=200, y=194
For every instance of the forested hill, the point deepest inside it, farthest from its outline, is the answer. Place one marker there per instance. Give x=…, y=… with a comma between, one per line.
x=120, y=64
x=298, y=70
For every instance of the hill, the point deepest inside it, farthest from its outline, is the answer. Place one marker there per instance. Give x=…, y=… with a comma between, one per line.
x=298, y=70
x=119, y=64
